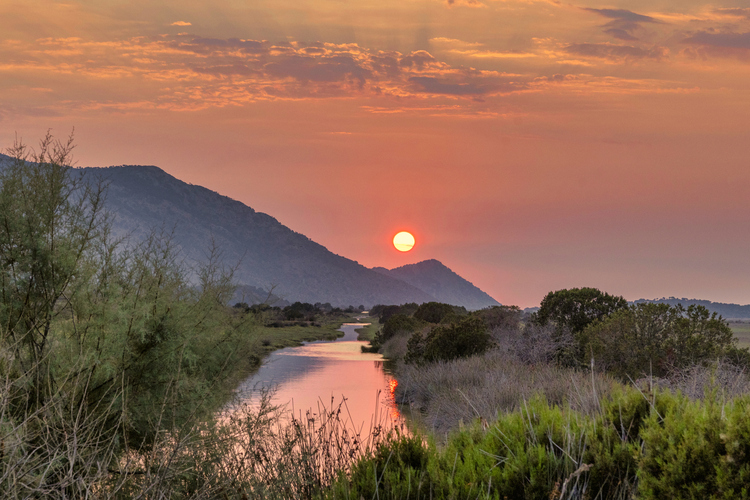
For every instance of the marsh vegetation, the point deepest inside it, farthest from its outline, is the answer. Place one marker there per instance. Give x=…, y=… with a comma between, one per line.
x=116, y=355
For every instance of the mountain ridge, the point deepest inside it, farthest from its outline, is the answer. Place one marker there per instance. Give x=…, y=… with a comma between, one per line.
x=725, y=309
x=441, y=282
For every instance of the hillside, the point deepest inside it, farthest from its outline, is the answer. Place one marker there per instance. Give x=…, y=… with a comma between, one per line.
x=439, y=281
x=270, y=254
x=727, y=311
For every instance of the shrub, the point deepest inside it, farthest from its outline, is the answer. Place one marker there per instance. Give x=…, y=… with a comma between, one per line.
x=437, y=312
x=398, y=324
x=656, y=339
x=466, y=338
x=500, y=317
x=577, y=308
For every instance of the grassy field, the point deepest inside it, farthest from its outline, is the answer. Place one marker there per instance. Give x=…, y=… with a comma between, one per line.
x=288, y=336
x=741, y=330
x=368, y=332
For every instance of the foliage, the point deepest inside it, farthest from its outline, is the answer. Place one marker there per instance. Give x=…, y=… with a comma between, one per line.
x=652, y=446
x=104, y=346
x=577, y=308
x=298, y=310
x=437, y=312
x=649, y=338
x=467, y=337
x=399, y=324
x=384, y=312
x=500, y=317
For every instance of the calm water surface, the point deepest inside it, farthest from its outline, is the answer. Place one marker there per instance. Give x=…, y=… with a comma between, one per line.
x=318, y=372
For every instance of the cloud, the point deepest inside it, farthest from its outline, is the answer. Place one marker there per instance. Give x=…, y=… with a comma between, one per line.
x=623, y=22
x=734, y=12
x=181, y=23
x=188, y=72
x=474, y=50
x=617, y=53
x=623, y=15
x=720, y=40
x=465, y=3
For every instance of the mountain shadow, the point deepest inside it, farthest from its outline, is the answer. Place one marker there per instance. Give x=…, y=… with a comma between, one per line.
x=446, y=286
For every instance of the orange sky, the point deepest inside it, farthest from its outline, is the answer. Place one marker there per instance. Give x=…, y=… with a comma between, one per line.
x=530, y=145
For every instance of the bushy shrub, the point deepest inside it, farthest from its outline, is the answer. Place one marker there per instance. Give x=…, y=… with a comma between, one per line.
x=647, y=339
x=398, y=324
x=577, y=308
x=500, y=317
x=437, y=312
x=397, y=469
x=384, y=312
x=467, y=337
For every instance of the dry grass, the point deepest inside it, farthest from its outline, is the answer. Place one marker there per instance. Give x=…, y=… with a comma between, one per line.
x=696, y=382
x=445, y=394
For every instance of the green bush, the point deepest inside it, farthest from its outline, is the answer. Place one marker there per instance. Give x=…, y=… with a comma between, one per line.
x=437, y=312
x=397, y=469
x=465, y=338
x=648, y=338
x=398, y=324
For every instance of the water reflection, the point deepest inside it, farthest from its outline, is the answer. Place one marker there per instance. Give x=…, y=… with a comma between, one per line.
x=325, y=373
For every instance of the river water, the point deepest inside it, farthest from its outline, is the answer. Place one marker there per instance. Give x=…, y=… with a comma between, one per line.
x=326, y=372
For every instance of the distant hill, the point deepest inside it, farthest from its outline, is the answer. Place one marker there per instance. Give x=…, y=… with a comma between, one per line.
x=727, y=311
x=446, y=286
x=271, y=256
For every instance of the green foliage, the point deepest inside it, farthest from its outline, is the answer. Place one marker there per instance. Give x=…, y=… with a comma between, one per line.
x=501, y=317
x=650, y=446
x=93, y=327
x=649, y=338
x=399, y=324
x=467, y=337
x=384, y=312
x=397, y=469
x=437, y=312
x=577, y=308
x=300, y=311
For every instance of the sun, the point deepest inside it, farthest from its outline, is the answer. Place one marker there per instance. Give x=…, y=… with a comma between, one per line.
x=403, y=241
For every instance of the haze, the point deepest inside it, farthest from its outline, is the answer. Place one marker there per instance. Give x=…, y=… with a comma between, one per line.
x=528, y=145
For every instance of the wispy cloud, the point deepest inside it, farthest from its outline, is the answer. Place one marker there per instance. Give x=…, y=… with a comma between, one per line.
x=181, y=23
x=616, y=53
x=187, y=72
x=624, y=23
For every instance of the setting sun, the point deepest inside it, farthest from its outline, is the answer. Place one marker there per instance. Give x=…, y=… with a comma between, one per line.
x=403, y=241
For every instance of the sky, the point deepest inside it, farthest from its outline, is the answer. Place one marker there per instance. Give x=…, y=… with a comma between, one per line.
x=529, y=145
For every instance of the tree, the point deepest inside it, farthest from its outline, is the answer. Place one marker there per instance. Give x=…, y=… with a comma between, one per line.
x=577, y=308
x=656, y=339
x=50, y=223
x=467, y=337
x=437, y=312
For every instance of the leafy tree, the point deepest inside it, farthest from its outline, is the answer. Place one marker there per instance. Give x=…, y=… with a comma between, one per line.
x=577, y=308
x=99, y=329
x=398, y=324
x=501, y=317
x=467, y=337
x=649, y=338
x=437, y=312
x=50, y=222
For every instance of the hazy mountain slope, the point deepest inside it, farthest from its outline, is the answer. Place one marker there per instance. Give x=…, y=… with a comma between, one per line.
x=146, y=197
x=727, y=311
x=446, y=286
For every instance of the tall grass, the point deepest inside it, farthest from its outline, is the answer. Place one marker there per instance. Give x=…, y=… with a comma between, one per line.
x=444, y=395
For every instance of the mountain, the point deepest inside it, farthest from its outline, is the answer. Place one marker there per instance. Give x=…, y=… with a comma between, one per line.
x=446, y=286
x=727, y=311
x=270, y=257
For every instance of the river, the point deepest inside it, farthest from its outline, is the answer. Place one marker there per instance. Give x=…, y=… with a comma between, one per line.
x=326, y=372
